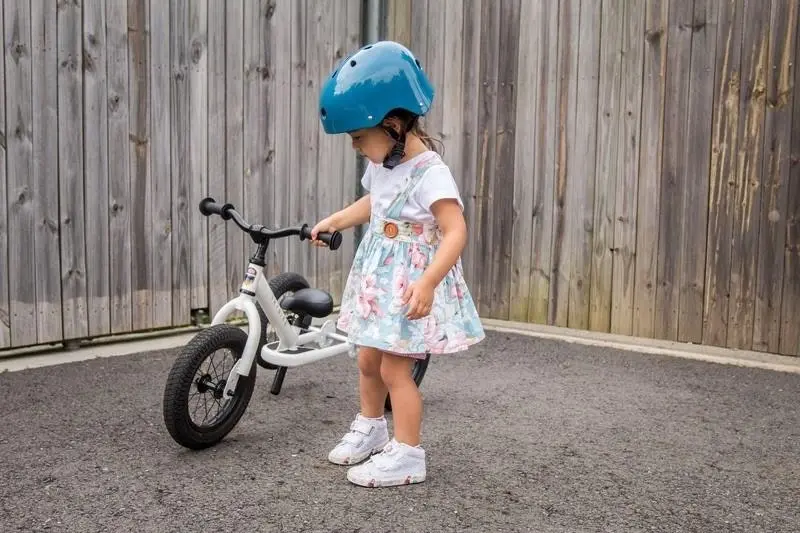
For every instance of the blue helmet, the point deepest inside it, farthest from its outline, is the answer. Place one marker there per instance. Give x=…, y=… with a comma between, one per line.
x=371, y=83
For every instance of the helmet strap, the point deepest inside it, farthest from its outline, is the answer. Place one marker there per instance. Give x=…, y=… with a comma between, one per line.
x=398, y=150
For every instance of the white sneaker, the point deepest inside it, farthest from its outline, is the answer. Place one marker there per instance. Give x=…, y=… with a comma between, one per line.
x=397, y=464
x=366, y=436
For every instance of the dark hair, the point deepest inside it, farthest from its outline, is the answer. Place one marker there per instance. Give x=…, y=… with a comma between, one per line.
x=413, y=126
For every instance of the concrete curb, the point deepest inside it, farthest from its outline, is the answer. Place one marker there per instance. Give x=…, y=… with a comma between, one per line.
x=710, y=354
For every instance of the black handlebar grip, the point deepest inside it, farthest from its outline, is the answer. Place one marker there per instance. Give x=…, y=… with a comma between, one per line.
x=209, y=206
x=333, y=240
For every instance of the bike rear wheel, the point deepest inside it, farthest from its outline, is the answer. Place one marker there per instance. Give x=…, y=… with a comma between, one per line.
x=196, y=413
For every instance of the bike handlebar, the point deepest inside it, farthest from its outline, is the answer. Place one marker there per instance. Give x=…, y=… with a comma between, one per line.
x=209, y=206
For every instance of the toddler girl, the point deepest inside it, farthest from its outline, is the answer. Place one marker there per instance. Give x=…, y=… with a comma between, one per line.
x=405, y=295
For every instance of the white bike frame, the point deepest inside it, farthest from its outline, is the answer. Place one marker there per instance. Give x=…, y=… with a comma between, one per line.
x=288, y=350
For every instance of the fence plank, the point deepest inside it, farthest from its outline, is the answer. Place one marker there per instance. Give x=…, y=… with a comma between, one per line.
x=95, y=153
x=325, y=47
x=527, y=181
x=198, y=149
x=181, y=170
x=693, y=207
x=217, y=257
x=648, y=211
x=625, y=219
x=299, y=256
x=580, y=184
x=673, y=168
x=5, y=318
x=310, y=128
x=502, y=177
x=118, y=166
x=775, y=175
x=790, y=324
x=435, y=65
x=564, y=211
x=141, y=179
x=234, y=139
x=160, y=162
x=46, y=55
x=351, y=178
x=487, y=146
x=748, y=190
x=609, y=126
x=545, y=152
x=722, y=173
x=470, y=83
x=70, y=170
x=451, y=90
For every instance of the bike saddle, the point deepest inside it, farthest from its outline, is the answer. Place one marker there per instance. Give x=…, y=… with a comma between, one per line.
x=313, y=302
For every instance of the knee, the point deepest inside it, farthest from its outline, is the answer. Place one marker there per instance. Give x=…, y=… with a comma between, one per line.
x=369, y=362
x=394, y=371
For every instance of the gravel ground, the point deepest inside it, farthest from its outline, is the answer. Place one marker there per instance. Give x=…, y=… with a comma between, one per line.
x=521, y=435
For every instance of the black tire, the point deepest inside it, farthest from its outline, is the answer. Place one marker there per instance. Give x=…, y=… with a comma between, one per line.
x=183, y=382
x=417, y=372
x=280, y=285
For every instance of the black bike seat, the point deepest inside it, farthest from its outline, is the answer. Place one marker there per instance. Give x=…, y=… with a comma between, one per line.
x=313, y=302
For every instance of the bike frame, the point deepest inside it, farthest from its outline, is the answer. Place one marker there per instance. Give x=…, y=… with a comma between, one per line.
x=289, y=351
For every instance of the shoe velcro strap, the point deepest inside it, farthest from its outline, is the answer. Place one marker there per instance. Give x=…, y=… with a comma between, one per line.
x=362, y=426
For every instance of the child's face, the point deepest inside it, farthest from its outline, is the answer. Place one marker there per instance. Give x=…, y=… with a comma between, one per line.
x=372, y=143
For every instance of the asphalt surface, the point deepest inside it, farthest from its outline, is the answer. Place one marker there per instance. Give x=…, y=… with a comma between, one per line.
x=521, y=435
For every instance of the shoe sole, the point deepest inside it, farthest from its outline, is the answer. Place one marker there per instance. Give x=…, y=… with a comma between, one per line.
x=391, y=482
x=356, y=459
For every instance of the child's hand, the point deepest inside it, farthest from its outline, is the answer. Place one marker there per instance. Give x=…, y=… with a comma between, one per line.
x=324, y=225
x=419, y=297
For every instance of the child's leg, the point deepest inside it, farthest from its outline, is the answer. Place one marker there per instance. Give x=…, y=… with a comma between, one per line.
x=406, y=400
x=373, y=390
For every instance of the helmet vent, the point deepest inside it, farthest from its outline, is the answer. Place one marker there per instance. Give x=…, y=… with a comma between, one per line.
x=417, y=62
x=353, y=63
x=367, y=47
x=323, y=113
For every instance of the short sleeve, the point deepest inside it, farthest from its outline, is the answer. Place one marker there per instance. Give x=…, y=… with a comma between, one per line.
x=436, y=184
x=366, y=179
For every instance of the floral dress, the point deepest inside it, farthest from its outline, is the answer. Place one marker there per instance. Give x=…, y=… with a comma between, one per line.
x=393, y=254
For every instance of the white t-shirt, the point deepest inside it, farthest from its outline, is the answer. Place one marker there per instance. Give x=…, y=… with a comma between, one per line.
x=384, y=185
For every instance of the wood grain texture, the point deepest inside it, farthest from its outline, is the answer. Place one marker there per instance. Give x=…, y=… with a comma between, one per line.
x=747, y=196
x=20, y=188
x=119, y=199
x=470, y=83
x=790, y=303
x=160, y=163
x=197, y=62
x=236, y=256
x=218, y=292
x=299, y=256
x=95, y=154
x=582, y=165
x=673, y=168
x=563, y=208
x=780, y=99
x=180, y=126
x=648, y=212
x=722, y=172
x=630, y=145
x=607, y=175
x=5, y=317
x=139, y=145
x=46, y=58
x=484, y=291
x=693, y=210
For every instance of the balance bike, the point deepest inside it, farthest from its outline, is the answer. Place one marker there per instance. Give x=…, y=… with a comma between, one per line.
x=280, y=335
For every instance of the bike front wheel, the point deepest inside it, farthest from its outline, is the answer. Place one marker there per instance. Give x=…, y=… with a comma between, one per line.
x=196, y=412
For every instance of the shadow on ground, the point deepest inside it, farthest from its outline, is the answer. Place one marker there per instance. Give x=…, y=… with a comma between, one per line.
x=521, y=434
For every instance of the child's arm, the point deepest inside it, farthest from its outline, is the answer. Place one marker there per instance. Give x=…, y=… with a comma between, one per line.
x=451, y=221
x=353, y=215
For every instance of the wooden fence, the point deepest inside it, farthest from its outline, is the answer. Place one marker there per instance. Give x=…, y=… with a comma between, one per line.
x=119, y=116
x=629, y=165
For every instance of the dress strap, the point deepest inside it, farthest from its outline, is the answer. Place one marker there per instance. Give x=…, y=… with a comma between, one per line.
x=416, y=174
